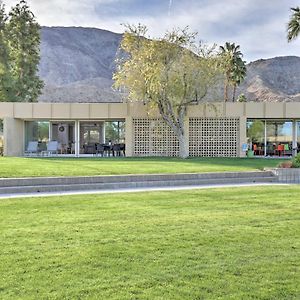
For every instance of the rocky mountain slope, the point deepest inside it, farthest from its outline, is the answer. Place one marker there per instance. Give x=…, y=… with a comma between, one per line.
x=77, y=66
x=275, y=79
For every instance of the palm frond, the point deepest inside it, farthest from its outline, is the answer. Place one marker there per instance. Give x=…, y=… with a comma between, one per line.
x=293, y=28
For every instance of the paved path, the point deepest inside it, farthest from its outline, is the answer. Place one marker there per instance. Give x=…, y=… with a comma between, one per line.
x=134, y=190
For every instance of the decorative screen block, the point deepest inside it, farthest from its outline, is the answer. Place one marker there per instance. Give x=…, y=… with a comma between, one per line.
x=208, y=137
x=152, y=137
x=214, y=137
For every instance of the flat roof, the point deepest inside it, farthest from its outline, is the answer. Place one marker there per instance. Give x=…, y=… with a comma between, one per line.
x=92, y=111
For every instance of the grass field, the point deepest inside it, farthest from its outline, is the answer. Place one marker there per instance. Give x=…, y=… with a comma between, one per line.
x=27, y=167
x=237, y=243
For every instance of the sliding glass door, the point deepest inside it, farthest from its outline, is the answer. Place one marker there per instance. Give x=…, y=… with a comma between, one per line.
x=279, y=137
x=64, y=133
x=270, y=137
x=91, y=133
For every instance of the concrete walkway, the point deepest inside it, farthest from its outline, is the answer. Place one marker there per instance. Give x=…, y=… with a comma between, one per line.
x=135, y=190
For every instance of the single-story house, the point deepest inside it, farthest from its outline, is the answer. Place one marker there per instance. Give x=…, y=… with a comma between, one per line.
x=213, y=129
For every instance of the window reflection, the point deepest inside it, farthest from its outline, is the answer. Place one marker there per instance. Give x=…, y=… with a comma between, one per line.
x=256, y=136
x=279, y=137
x=270, y=137
x=37, y=131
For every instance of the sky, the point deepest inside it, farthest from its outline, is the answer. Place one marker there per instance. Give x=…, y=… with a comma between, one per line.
x=258, y=26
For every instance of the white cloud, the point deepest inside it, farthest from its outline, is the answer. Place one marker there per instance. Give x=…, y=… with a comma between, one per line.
x=65, y=12
x=258, y=26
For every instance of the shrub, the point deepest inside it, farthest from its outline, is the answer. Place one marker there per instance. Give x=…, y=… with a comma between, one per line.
x=242, y=98
x=296, y=161
x=286, y=164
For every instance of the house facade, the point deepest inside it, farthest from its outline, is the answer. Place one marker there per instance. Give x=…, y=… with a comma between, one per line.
x=213, y=129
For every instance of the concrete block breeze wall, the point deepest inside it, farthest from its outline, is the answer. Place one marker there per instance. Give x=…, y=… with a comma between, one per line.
x=214, y=137
x=207, y=137
x=213, y=129
x=152, y=137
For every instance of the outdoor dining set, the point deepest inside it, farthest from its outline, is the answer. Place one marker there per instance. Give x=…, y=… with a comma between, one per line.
x=104, y=149
x=36, y=148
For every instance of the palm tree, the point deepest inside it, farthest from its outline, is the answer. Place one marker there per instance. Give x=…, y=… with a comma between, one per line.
x=238, y=75
x=234, y=67
x=294, y=24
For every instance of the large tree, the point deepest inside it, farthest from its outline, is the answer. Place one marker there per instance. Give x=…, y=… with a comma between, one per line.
x=5, y=80
x=234, y=68
x=238, y=76
x=294, y=24
x=167, y=73
x=22, y=34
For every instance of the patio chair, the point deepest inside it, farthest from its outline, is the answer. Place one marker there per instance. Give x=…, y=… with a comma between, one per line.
x=72, y=148
x=257, y=150
x=89, y=148
x=122, y=149
x=100, y=149
x=107, y=149
x=116, y=149
x=52, y=148
x=279, y=150
x=32, y=148
x=287, y=150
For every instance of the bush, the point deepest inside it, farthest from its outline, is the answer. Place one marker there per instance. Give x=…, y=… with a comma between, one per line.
x=1, y=145
x=242, y=98
x=286, y=164
x=296, y=161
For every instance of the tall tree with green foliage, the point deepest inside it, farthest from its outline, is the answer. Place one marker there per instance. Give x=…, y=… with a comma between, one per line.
x=5, y=80
x=234, y=68
x=167, y=74
x=23, y=39
x=294, y=24
x=238, y=76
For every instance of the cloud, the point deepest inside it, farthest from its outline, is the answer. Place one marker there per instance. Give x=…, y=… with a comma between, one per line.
x=66, y=12
x=259, y=27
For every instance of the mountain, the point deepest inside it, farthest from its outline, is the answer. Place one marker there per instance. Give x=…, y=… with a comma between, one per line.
x=77, y=66
x=276, y=79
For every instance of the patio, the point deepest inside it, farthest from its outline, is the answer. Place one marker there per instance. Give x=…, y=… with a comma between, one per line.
x=75, y=138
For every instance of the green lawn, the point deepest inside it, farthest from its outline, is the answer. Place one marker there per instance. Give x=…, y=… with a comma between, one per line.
x=23, y=167
x=237, y=243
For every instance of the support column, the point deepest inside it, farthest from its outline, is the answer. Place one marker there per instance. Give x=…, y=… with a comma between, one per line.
x=14, y=137
x=77, y=138
x=129, y=136
x=102, y=133
x=265, y=139
x=50, y=131
x=243, y=136
x=295, y=137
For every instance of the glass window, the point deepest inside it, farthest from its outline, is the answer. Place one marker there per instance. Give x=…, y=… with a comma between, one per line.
x=298, y=135
x=91, y=133
x=64, y=133
x=36, y=131
x=115, y=132
x=279, y=137
x=256, y=136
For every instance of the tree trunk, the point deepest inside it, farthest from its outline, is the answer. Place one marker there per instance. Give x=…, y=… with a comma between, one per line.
x=183, y=146
x=225, y=91
x=176, y=123
x=234, y=92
